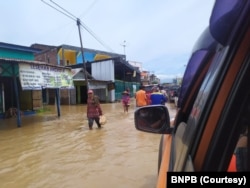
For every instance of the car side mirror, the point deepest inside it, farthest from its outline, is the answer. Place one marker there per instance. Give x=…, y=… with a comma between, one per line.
x=153, y=119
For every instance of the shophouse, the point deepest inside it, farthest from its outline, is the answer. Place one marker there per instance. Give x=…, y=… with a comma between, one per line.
x=22, y=80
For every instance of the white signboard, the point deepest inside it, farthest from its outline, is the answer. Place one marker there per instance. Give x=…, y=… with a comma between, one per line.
x=38, y=76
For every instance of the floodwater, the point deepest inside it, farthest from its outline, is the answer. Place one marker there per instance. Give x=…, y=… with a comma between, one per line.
x=61, y=152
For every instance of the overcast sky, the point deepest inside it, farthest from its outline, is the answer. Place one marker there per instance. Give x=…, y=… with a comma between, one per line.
x=160, y=34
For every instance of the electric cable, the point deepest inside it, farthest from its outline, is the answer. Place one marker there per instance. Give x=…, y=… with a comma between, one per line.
x=58, y=10
x=71, y=16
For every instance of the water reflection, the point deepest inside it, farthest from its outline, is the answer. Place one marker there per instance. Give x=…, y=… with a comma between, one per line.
x=50, y=151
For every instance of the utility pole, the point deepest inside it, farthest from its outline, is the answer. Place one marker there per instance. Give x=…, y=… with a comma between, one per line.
x=78, y=22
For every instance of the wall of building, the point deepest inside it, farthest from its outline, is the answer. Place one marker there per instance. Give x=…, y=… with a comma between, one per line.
x=49, y=57
x=15, y=54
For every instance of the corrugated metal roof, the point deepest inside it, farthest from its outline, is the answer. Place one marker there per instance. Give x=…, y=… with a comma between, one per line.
x=18, y=47
x=9, y=60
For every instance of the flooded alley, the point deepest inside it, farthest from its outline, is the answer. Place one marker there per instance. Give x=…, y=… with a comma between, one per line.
x=61, y=152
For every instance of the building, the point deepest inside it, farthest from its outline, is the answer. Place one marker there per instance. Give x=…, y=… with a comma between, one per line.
x=66, y=75
x=22, y=79
x=109, y=74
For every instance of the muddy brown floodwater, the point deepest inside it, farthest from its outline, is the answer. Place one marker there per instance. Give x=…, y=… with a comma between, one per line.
x=61, y=152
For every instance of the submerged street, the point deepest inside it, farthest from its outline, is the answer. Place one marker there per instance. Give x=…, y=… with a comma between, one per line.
x=49, y=151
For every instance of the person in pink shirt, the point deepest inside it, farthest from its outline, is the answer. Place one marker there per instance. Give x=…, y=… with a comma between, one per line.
x=125, y=101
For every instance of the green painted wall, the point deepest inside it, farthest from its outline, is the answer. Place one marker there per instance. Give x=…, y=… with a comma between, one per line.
x=120, y=86
x=14, y=54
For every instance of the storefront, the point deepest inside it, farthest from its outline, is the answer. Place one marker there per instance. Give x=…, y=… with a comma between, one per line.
x=23, y=82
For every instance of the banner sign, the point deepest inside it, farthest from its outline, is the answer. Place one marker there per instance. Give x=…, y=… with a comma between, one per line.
x=38, y=76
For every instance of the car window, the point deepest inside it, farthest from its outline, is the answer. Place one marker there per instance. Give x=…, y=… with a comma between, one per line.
x=196, y=69
x=193, y=120
x=218, y=106
x=203, y=100
x=196, y=60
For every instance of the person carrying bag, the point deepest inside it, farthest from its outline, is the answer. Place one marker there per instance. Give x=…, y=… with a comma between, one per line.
x=94, y=111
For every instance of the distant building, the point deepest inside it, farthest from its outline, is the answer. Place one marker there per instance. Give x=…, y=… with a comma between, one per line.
x=147, y=78
x=136, y=64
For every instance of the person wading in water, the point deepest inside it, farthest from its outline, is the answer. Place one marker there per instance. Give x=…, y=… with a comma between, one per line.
x=94, y=110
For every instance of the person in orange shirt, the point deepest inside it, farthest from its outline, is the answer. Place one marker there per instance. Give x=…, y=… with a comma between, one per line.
x=140, y=97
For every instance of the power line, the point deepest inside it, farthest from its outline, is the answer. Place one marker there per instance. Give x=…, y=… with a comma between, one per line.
x=63, y=9
x=83, y=61
x=73, y=17
x=87, y=10
x=95, y=36
x=58, y=10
